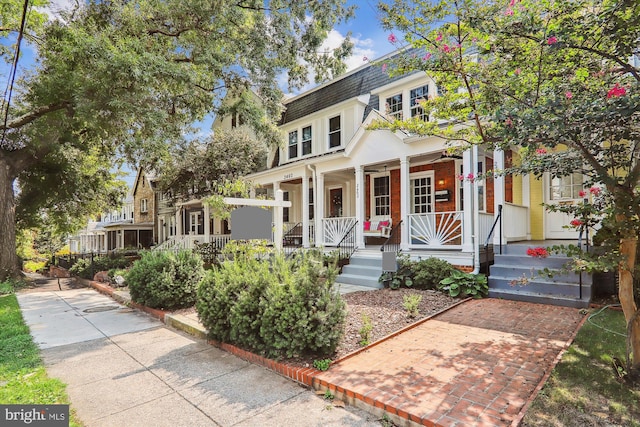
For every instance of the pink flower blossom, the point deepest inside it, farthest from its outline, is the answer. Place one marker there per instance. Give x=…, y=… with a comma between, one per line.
x=439, y=37
x=541, y=151
x=568, y=94
x=512, y=3
x=384, y=68
x=595, y=190
x=446, y=48
x=427, y=56
x=474, y=40
x=582, y=193
x=508, y=122
x=552, y=40
x=460, y=177
x=508, y=12
x=616, y=91
x=576, y=222
x=517, y=71
x=392, y=38
x=471, y=177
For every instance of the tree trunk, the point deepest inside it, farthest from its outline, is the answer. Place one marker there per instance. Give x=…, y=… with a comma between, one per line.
x=625, y=293
x=8, y=257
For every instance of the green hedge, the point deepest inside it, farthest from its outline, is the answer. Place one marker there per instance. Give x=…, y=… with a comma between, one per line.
x=165, y=280
x=277, y=307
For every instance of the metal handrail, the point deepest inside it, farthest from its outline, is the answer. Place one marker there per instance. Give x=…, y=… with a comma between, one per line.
x=393, y=242
x=493, y=228
x=347, y=245
x=583, y=229
x=291, y=232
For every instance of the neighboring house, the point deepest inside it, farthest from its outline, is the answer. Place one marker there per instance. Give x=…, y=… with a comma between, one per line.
x=130, y=227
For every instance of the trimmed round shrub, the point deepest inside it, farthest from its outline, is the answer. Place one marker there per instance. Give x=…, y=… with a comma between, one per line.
x=428, y=273
x=276, y=306
x=165, y=280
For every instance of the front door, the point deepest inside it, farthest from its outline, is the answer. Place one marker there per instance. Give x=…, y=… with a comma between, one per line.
x=561, y=191
x=335, y=202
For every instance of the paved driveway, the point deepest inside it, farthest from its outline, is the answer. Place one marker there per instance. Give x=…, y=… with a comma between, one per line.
x=124, y=367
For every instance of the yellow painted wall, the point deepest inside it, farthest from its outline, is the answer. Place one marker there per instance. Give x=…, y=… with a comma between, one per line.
x=517, y=189
x=536, y=211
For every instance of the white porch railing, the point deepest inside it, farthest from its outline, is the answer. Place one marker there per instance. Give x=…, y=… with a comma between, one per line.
x=436, y=230
x=515, y=221
x=177, y=243
x=335, y=229
x=485, y=223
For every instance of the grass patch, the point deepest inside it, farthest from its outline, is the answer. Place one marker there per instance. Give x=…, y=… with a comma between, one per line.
x=582, y=389
x=23, y=379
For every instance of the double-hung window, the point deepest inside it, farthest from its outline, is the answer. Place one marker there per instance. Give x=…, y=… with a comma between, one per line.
x=306, y=140
x=415, y=97
x=394, y=106
x=143, y=206
x=334, y=132
x=293, y=144
x=381, y=196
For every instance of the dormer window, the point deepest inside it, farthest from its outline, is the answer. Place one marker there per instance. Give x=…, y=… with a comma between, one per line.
x=293, y=144
x=334, y=132
x=416, y=96
x=394, y=107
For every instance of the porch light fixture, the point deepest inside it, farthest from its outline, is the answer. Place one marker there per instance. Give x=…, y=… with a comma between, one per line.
x=441, y=181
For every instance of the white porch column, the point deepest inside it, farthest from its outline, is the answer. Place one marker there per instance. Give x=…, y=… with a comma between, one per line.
x=179, y=223
x=207, y=223
x=405, y=208
x=469, y=207
x=277, y=234
x=318, y=198
x=360, y=209
x=305, y=209
x=498, y=192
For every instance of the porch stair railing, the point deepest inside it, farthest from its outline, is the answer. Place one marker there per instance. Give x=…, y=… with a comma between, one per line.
x=497, y=221
x=347, y=246
x=392, y=244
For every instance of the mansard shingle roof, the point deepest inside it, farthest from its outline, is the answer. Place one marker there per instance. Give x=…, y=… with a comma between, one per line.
x=360, y=82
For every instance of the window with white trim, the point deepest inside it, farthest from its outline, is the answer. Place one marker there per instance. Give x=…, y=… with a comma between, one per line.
x=422, y=193
x=144, y=206
x=334, y=132
x=285, y=211
x=415, y=97
x=306, y=140
x=311, y=204
x=293, y=144
x=394, y=106
x=381, y=199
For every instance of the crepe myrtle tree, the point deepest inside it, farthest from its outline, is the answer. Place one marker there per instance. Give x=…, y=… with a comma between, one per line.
x=551, y=80
x=125, y=79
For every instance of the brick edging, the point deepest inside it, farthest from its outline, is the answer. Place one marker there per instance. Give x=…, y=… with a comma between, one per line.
x=523, y=411
x=301, y=375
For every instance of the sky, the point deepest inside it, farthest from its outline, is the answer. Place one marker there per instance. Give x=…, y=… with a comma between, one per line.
x=369, y=39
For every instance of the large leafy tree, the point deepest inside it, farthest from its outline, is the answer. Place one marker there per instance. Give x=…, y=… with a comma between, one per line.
x=124, y=79
x=550, y=79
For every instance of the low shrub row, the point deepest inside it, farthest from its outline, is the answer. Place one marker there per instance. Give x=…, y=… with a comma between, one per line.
x=83, y=267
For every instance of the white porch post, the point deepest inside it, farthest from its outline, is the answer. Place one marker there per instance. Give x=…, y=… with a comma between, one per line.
x=360, y=210
x=179, y=231
x=319, y=204
x=277, y=235
x=305, y=209
x=405, y=208
x=207, y=224
x=498, y=192
x=469, y=207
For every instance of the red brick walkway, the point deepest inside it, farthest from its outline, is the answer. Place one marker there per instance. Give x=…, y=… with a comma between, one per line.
x=474, y=365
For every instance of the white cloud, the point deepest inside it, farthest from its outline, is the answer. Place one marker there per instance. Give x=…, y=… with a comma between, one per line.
x=56, y=7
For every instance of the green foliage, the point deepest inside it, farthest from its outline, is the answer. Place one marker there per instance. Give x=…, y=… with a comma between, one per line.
x=411, y=303
x=328, y=395
x=428, y=273
x=33, y=266
x=22, y=373
x=165, y=280
x=422, y=274
x=322, y=364
x=461, y=284
x=365, y=330
x=9, y=286
x=583, y=388
x=84, y=269
x=276, y=306
x=208, y=252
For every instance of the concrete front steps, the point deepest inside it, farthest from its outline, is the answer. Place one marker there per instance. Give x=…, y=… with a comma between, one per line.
x=516, y=276
x=364, y=269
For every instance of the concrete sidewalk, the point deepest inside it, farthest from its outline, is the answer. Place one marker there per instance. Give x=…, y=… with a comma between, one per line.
x=124, y=367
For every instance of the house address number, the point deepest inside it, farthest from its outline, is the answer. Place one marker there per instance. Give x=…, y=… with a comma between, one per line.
x=288, y=176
